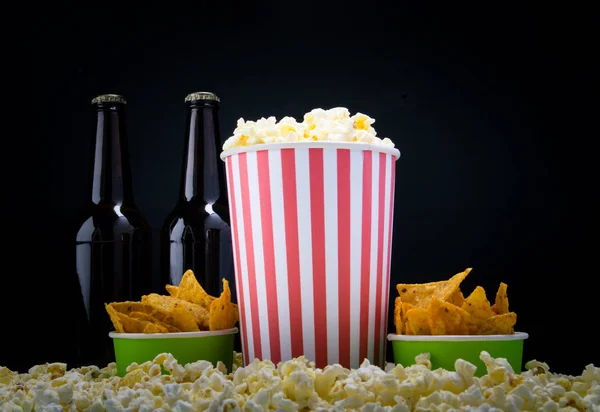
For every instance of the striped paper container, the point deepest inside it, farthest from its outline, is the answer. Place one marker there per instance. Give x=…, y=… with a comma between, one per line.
x=312, y=238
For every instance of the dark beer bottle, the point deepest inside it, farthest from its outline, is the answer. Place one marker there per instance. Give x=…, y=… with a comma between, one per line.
x=196, y=234
x=113, y=244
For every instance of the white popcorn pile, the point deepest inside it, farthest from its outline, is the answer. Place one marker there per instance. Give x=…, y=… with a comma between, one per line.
x=333, y=125
x=296, y=385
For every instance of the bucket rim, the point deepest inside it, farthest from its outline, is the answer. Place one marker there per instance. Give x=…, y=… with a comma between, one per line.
x=312, y=145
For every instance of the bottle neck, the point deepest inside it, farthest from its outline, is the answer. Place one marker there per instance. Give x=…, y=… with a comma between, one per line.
x=111, y=179
x=202, y=173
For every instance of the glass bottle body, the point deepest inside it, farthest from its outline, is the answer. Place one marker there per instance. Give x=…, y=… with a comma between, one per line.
x=197, y=240
x=196, y=234
x=113, y=244
x=113, y=263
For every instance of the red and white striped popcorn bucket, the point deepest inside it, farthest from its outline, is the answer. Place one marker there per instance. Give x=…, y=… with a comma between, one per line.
x=312, y=237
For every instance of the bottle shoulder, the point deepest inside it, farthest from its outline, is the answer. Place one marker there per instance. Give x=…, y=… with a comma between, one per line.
x=177, y=219
x=194, y=212
x=189, y=217
x=105, y=220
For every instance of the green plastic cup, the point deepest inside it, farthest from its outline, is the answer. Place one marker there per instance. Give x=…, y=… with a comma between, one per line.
x=445, y=350
x=186, y=347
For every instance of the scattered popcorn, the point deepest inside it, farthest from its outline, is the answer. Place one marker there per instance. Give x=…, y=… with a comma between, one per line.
x=297, y=385
x=333, y=125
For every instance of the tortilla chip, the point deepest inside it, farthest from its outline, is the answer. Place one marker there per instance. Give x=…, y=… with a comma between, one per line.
x=154, y=328
x=503, y=324
x=457, y=298
x=223, y=313
x=417, y=320
x=477, y=304
x=179, y=306
x=173, y=290
x=114, y=318
x=176, y=316
x=149, y=318
x=191, y=291
x=131, y=325
x=447, y=319
x=397, y=316
x=128, y=306
x=134, y=325
x=440, y=308
x=421, y=294
x=500, y=306
x=405, y=308
x=477, y=326
x=143, y=316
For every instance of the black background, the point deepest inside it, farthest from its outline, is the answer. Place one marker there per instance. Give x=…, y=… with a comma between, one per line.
x=490, y=108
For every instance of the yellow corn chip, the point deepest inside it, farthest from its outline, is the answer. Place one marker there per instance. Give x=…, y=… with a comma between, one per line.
x=190, y=290
x=114, y=318
x=421, y=294
x=173, y=290
x=397, y=316
x=175, y=315
x=477, y=304
x=223, y=313
x=154, y=328
x=175, y=305
x=130, y=306
x=503, y=324
x=417, y=320
x=133, y=325
x=188, y=309
x=440, y=308
x=447, y=319
x=500, y=306
x=149, y=318
x=477, y=326
x=457, y=298
x=405, y=308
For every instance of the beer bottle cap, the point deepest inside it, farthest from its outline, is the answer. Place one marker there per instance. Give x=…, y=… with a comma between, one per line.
x=202, y=96
x=109, y=98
